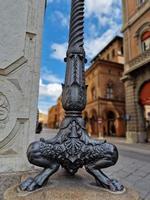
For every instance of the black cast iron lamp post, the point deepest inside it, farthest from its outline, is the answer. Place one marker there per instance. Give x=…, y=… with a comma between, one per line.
x=72, y=148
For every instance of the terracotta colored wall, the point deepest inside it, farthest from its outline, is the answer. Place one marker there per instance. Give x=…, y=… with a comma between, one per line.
x=145, y=94
x=132, y=44
x=119, y=58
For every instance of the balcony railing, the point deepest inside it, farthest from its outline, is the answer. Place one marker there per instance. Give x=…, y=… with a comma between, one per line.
x=138, y=61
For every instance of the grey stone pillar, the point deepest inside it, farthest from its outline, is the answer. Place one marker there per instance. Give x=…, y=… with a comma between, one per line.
x=131, y=112
x=141, y=132
x=20, y=48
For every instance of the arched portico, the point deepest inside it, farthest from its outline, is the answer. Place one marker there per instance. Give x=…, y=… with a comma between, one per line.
x=86, y=119
x=113, y=123
x=144, y=100
x=94, y=123
x=111, y=128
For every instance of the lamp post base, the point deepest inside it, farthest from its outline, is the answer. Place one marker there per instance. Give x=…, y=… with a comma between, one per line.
x=72, y=148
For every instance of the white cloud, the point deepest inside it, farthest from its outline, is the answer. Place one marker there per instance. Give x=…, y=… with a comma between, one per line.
x=107, y=13
x=92, y=44
x=44, y=106
x=49, y=90
x=104, y=11
x=52, y=90
x=92, y=30
x=98, y=7
x=61, y=18
x=49, y=1
x=59, y=51
x=50, y=77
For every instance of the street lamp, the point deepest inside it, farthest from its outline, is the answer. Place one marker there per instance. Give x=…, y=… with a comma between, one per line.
x=72, y=148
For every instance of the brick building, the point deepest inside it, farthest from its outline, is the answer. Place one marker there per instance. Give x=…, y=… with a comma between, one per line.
x=52, y=117
x=43, y=118
x=105, y=94
x=136, y=30
x=105, y=108
x=55, y=115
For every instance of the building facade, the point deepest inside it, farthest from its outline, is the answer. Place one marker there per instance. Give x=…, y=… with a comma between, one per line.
x=136, y=30
x=43, y=118
x=55, y=115
x=105, y=110
x=20, y=51
x=52, y=117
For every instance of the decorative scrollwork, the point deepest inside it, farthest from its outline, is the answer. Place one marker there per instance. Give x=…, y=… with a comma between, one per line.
x=74, y=97
x=75, y=146
x=4, y=110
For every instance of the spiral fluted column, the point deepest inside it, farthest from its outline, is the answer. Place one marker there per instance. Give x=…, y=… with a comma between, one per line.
x=76, y=24
x=74, y=89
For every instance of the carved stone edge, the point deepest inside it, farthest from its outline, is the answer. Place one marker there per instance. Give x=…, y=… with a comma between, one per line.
x=11, y=135
x=16, y=64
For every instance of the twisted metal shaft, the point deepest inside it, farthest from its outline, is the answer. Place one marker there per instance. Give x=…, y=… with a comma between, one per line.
x=76, y=24
x=74, y=89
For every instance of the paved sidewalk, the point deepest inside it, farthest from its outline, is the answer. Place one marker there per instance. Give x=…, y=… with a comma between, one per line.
x=121, y=142
x=134, y=173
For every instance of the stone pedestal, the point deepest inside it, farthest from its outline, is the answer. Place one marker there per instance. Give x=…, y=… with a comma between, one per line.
x=65, y=187
x=20, y=48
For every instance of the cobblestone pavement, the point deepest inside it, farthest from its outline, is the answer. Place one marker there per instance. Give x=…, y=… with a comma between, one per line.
x=133, y=167
x=134, y=173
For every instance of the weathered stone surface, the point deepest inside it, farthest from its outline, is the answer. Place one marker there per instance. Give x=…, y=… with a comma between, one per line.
x=65, y=187
x=6, y=181
x=20, y=48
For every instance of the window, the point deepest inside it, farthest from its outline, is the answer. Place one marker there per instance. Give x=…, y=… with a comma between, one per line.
x=122, y=50
x=107, y=56
x=113, y=53
x=145, y=41
x=93, y=91
x=120, y=73
x=109, y=71
x=141, y=1
x=109, y=91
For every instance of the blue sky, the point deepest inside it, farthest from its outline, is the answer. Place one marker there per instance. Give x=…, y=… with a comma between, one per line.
x=103, y=20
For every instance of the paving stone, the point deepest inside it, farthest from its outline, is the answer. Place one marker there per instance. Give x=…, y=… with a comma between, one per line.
x=143, y=194
x=143, y=184
x=147, y=177
x=147, y=196
x=140, y=173
x=122, y=174
x=133, y=179
x=6, y=181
